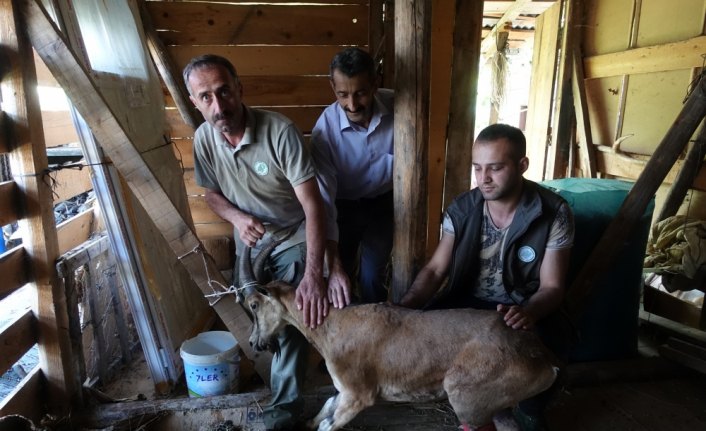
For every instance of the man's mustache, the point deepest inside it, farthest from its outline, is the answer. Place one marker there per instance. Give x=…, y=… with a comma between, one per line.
x=357, y=111
x=222, y=115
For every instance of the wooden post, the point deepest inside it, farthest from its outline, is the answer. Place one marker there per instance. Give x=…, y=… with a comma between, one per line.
x=583, y=124
x=665, y=155
x=462, y=110
x=685, y=177
x=412, y=58
x=170, y=75
x=80, y=88
x=28, y=161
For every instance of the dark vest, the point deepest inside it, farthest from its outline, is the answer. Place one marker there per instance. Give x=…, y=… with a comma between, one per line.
x=525, y=244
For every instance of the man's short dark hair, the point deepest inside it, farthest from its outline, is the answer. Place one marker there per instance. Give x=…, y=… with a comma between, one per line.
x=514, y=135
x=352, y=62
x=208, y=60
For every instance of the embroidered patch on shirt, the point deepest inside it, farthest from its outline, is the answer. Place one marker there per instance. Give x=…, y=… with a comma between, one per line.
x=526, y=254
x=261, y=168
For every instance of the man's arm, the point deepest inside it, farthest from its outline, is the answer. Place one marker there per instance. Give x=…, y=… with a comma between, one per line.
x=548, y=298
x=429, y=279
x=249, y=228
x=311, y=292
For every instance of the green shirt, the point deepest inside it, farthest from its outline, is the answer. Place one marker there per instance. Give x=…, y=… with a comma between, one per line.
x=258, y=176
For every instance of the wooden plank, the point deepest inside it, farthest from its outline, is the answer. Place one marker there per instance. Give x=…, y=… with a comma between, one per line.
x=23, y=399
x=628, y=167
x=74, y=231
x=70, y=182
x=169, y=73
x=20, y=102
x=16, y=338
x=462, y=109
x=659, y=58
x=71, y=261
x=9, y=203
x=107, y=129
x=264, y=60
x=440, y=94
x=4, y=148
x=685, y=178
x=281, y=91
x=541, y=90
x=96, y=321
x=208, y=230
x=583, y=122
x=58, y=128
x=558, y=151
x=222, y=249
x=186, y=23
x=14, y=267
x=44, y=76
x=192, y=189
x=636, y=201
x=488, y=46
x=535, y=7
x=412, y=69
x=200, y=211
x=303, y=116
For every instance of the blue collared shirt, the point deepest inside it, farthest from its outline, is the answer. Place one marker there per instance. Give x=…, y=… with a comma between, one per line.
x=353, y=162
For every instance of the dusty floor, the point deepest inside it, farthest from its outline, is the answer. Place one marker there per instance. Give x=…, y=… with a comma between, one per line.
x=671, y=400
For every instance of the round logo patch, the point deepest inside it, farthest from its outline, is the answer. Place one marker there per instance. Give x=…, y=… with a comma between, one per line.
x=526, y=253
x=261, y=168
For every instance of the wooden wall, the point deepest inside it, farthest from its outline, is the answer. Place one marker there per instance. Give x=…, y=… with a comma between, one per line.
x=640, y=57
x=281, y=51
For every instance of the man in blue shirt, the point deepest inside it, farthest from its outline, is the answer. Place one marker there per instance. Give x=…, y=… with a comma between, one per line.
x=352, y=144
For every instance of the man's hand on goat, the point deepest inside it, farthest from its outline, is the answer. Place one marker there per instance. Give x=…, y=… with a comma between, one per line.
x=339, y=287
x=312, y=300
x=516, y=317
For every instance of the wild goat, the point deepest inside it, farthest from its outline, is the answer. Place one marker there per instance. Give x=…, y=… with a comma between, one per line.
x=398, y=354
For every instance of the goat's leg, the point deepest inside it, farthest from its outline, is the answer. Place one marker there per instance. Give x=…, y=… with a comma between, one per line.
x=504, y=421
x=348, y=406
x=327, y=410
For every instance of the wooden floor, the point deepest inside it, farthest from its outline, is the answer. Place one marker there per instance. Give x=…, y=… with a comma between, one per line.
x=644, y=394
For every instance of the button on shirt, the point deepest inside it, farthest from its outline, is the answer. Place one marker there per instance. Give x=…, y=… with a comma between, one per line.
x=353, y=162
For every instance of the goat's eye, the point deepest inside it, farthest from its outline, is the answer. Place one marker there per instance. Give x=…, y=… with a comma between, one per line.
x=253, y=306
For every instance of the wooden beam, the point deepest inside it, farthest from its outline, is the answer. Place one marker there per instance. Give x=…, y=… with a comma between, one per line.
x=488, y=47
x=169, y=73
x=583, y=122
x=14, y=267
x=16, y=338
x=4, y=148
x=563, y=106
x=687, y=174
x=622, y=166
x=412, y=68
x=443, y=14
x=462, y=110
x=23, y=399
x=636, y=201
x=658, y=58
x=9, y=203
x=87, y=99
x=28, y=160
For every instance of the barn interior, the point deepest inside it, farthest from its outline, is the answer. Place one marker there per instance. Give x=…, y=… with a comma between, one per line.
x=111, y=258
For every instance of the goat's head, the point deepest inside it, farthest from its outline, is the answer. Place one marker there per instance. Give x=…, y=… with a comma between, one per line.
x=267, y=312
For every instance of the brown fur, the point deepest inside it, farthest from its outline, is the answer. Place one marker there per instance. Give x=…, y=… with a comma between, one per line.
x=398, y=354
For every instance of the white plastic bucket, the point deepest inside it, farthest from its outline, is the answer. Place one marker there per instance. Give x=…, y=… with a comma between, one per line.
x=211, y=363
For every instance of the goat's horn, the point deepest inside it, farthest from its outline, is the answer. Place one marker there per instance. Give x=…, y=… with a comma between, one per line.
x=245, y=274
x=264, y=253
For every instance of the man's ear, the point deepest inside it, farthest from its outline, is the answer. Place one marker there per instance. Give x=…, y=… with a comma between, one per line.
x=523, y=164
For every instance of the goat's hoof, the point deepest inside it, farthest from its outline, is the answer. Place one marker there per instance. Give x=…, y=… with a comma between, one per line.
x=326, y=424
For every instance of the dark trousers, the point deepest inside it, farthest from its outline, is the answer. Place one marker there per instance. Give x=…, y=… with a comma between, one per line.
x=365, y=243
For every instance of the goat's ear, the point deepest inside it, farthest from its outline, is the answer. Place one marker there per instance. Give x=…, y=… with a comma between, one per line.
x=262, y=290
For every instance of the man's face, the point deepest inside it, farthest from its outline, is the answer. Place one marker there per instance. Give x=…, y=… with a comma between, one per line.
x=497, y=175
x=355, y=95
x=218, y=96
